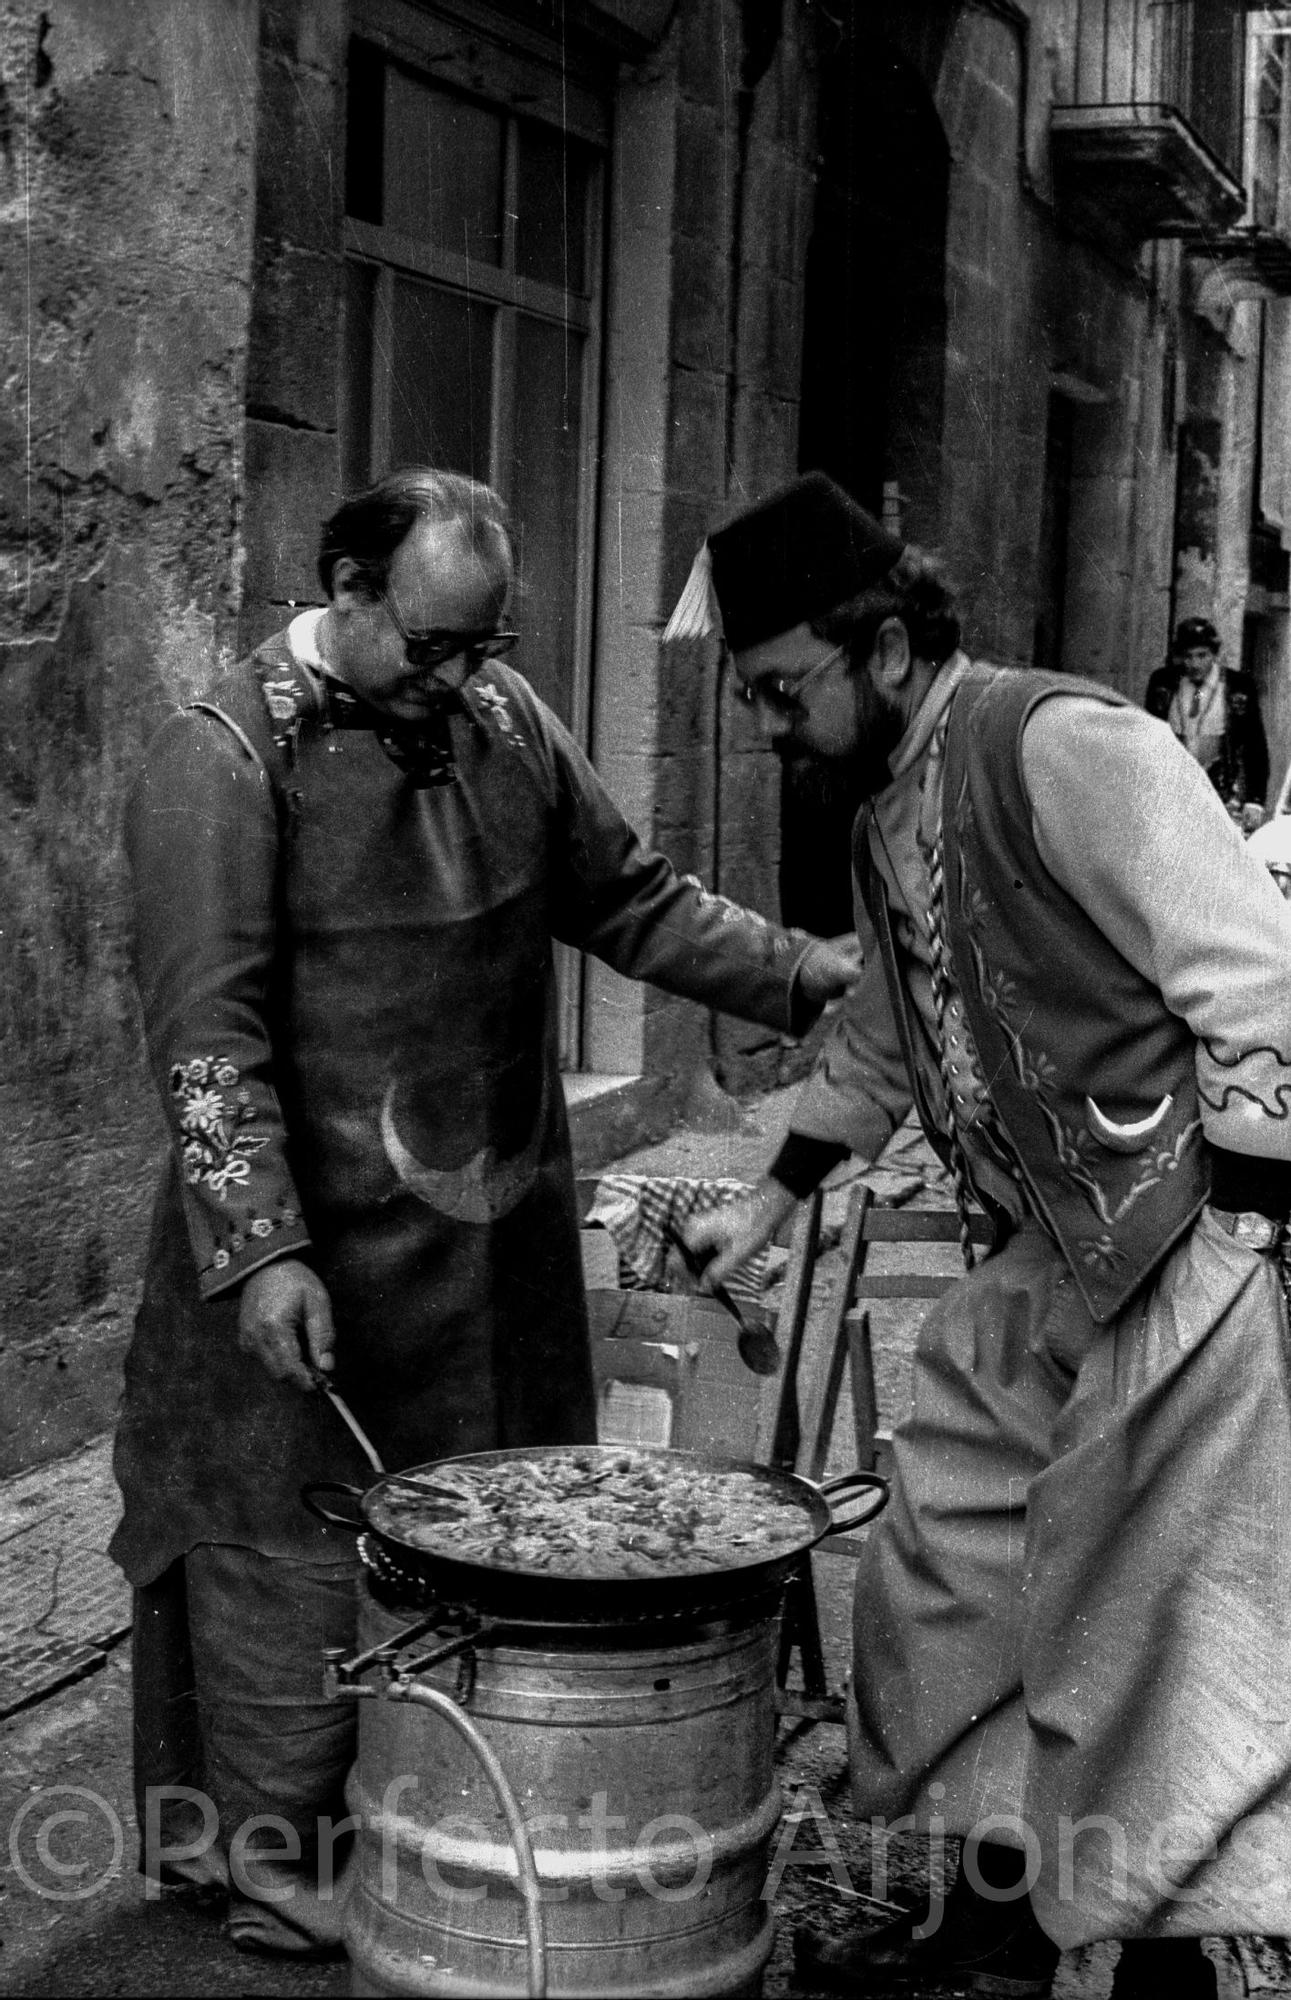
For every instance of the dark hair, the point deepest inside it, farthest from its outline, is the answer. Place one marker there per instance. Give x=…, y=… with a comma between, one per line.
x=369, y=526
x=1196, y=632
x=915, y=591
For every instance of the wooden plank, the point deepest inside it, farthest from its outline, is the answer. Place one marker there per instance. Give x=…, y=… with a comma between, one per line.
x=539, y=75
x=848, y=1544
x=800, y=1627
x=811, y=1708
x=482, y=281
x=786, y=1433
x=899, y=1286
x=821, y=1392
x=865, y=1398
x=922, y=1225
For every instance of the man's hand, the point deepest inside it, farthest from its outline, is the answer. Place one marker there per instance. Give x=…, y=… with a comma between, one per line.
x=739, y=1229
x=285, y=1320
x=829, y=967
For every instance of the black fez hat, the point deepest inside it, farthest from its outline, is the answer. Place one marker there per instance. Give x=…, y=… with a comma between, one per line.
x=798, y=554
x=1195, y=632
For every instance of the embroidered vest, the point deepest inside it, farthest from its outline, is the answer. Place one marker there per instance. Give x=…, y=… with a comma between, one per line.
x=1092, y=1078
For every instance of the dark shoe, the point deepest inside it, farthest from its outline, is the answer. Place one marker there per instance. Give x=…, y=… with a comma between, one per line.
x=989, y=1949
x=172, y=1890
x=252, y=1946
x=1164, y=1969
x=200, y=1879
x=301, y=1923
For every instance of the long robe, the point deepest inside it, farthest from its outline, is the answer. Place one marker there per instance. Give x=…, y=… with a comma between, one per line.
x=350, y=1008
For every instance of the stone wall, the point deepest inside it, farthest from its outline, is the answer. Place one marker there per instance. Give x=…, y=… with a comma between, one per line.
x=1034, y=309
x=1123, y=465
x=126, y=151
x=293, y=469
x=712, y=205
x=745, y=131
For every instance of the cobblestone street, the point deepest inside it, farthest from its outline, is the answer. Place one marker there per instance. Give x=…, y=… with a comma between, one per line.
x=63, y=1604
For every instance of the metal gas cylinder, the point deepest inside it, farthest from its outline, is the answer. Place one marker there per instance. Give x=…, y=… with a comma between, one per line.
x=642, y=1761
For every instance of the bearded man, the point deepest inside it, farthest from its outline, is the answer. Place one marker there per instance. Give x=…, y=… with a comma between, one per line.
x=1073, y=1623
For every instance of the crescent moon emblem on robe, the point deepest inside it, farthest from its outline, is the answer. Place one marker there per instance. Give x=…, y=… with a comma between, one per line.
x=1126, y=1138
x=481, y=1191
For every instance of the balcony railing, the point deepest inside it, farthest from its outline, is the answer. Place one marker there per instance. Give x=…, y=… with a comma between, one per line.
x=1147, y=117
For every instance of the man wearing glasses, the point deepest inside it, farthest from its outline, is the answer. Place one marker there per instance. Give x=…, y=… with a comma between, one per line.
x=350, y=861
x=1073, y=1623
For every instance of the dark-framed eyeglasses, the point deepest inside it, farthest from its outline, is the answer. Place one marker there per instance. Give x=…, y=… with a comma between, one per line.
x=783, y=694
x=435, y=645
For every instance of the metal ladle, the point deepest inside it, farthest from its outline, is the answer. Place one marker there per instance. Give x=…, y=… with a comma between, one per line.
x=757, y=1346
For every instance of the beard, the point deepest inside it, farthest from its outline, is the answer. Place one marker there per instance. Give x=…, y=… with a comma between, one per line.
x=864, y=774
x=880, y=725
x=871, y=765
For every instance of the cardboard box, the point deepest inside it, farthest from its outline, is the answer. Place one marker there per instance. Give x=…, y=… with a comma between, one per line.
x=668, y=1372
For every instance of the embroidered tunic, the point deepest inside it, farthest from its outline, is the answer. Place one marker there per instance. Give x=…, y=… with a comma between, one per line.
x=349, y=1001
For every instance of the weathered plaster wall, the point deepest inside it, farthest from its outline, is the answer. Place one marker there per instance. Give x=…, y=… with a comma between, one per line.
x=126, y=141
x=293, y=468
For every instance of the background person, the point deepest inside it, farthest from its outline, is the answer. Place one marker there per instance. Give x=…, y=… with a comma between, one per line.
x=349, y=865
x=1215, y=713
x=1075, y=1612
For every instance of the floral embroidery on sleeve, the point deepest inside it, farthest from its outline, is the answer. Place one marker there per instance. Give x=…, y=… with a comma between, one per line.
x=724, y=909
x=215, y=1151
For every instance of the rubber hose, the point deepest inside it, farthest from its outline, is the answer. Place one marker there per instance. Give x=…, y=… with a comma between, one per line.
x=535, y=1931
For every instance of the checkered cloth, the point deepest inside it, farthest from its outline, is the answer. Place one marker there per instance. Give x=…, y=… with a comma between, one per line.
x=639, y=1210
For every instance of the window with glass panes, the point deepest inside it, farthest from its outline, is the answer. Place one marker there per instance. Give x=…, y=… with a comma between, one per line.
x=1268, y=119
x=472, y=308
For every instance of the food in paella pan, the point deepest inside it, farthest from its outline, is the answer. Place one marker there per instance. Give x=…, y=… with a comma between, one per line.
x=577, y=1511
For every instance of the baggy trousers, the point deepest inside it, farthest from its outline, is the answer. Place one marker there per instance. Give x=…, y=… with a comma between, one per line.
x=1072, y=1626
x=239, y=1758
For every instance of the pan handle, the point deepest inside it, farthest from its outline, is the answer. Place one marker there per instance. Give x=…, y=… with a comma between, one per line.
x=868, y=1490
x=316, y=1486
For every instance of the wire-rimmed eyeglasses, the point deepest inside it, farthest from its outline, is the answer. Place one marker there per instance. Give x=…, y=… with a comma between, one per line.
x=435, y=645
x=784, y=694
